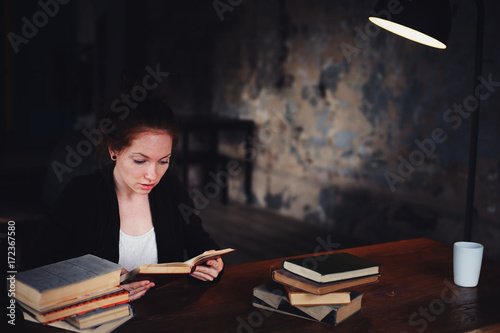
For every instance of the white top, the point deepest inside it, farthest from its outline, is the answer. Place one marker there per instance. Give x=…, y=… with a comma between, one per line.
x=137, y=250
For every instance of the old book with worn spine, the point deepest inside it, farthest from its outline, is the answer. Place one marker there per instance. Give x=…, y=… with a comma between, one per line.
x=103, y=301
x=293, y=280
x=99, y=316
x=43, y=288
x=102, y=328
x=298, y=297
x=272, y=297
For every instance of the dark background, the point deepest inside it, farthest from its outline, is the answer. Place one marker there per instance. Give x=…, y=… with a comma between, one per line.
x=346, y=119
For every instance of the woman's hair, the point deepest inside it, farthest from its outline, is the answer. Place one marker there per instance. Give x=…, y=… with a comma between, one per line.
x=125, y=118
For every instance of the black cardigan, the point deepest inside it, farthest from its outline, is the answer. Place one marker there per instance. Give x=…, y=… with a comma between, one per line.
x=86, y=219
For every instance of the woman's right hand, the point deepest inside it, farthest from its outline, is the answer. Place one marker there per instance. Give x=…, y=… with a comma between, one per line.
x=136, y=289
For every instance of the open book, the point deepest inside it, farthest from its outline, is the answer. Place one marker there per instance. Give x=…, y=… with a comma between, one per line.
x=186, y=267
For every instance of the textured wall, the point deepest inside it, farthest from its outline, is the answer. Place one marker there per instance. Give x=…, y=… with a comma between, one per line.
x=358, y=129
x=340, y=107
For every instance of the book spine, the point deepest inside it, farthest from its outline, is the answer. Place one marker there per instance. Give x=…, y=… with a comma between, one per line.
x=74, y=306
x=102, y=307
x=84, y=312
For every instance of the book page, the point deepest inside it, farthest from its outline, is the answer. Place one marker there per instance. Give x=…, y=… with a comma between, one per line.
x=207, y=256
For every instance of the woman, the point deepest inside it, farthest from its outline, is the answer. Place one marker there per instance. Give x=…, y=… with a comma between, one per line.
x=128, y=211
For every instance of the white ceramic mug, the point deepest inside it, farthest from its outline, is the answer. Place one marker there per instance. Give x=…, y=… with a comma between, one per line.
x=467, y=258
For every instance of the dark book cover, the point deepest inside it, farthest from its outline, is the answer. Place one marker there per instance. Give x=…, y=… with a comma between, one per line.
x=331, y=265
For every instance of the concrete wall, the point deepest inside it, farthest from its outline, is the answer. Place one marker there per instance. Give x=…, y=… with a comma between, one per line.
x=357, y=128
x=340, y=107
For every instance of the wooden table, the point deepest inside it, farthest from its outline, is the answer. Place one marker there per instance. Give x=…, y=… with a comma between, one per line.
x=415, y=294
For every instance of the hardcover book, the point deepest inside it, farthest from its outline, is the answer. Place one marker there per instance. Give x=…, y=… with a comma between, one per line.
x=147, y=272
x=43, y=287
x=81, y=299
x=99, y=316
x=297, y=297
x=103, y=301
x=272, y=297
x=293, y=280
x=335, y=267
x=103, y=328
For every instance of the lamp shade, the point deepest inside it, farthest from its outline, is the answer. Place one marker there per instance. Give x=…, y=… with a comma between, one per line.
x=424, y=21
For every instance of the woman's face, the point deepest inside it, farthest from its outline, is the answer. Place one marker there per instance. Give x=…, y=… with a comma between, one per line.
x=141, y=166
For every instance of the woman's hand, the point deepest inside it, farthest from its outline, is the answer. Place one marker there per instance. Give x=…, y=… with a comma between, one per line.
x=136, y=289
x=209, y=270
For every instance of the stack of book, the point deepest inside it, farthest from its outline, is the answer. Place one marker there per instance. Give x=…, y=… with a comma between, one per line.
x=317, y=288
x=84, y=292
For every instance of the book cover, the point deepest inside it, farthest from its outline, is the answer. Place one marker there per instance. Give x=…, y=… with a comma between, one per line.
x=296, y=281
x=331, y=267
x=298, y=297
x=102, y=301
x=147, y=272
x=42, y=287
x=271, y=296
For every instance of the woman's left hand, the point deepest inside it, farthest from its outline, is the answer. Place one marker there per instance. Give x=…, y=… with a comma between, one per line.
x=210, y=270
x=136, y=289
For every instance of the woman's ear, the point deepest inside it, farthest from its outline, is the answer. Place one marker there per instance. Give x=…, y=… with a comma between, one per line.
x=112, y=154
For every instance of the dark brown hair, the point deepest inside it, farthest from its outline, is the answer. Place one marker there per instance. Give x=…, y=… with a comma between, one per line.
x=137, y=110
x=125, y=122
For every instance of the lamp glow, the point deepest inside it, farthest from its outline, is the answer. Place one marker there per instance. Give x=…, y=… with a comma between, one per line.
x=408, y=33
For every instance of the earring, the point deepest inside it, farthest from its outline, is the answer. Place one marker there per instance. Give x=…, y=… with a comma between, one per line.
x=113, y=158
